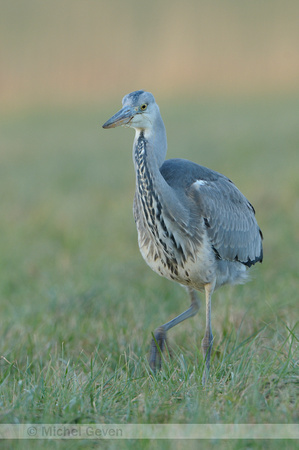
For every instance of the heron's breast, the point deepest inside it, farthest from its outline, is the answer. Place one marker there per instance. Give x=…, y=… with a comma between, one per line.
x=169, y=253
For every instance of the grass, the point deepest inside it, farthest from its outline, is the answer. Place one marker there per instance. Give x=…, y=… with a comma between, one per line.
x=78, y=304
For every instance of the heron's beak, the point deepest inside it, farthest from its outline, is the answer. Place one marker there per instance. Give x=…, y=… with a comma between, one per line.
x=122, y=117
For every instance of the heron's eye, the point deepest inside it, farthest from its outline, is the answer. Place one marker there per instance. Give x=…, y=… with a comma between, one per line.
x=143, y=107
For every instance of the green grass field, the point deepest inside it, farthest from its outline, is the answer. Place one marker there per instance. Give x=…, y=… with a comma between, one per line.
x=78, y=304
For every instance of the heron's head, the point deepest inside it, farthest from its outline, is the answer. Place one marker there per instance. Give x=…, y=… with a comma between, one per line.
x=139, y=111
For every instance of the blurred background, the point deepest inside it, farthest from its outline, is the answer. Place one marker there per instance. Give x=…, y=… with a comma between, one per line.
x=226, y=77
x=79, y=51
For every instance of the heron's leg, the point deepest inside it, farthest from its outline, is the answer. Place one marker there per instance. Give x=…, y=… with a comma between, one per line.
x=207, y=342
x=160, y=332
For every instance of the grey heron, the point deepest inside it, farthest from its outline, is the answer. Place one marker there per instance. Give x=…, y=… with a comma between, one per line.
x=194, y=225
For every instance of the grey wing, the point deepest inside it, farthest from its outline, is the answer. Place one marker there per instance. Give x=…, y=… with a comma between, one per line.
x=229, y=219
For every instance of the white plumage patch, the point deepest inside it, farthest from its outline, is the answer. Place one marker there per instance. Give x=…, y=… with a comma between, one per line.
x=199, y=183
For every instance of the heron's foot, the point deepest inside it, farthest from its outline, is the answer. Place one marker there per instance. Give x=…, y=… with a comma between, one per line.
x=207, y=344
x=156, y=353
x=205, y=374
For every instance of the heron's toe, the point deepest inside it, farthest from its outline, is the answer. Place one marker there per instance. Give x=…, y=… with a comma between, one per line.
x=155, y=353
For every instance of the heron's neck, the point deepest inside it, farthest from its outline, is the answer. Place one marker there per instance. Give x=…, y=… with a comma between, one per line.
x=155, y=142
x=148, y=176
x=149, y=151
x=151, y=188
